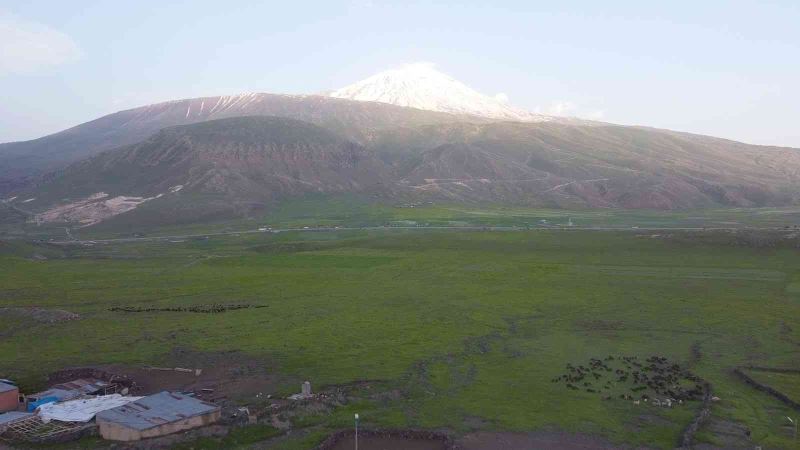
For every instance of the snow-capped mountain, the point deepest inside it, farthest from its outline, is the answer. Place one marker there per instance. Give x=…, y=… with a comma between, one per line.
x=421, y=86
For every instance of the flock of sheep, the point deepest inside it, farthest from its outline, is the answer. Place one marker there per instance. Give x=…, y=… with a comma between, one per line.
x=629, y=377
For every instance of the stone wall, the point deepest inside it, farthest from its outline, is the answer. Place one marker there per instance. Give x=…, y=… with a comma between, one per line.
x=763, y=387
x=687, y=437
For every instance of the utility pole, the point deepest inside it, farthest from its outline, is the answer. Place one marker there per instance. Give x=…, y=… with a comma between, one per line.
x=793, y=422
x=357, y=431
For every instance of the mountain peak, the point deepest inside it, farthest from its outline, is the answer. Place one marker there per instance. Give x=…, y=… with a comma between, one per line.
x=419, y=85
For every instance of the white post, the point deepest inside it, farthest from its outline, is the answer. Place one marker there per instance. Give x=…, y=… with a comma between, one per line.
x=356, y=431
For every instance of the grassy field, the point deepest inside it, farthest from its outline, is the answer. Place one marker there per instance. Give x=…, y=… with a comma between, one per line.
x=786, y=383
x=470, y=327
x=362, y=211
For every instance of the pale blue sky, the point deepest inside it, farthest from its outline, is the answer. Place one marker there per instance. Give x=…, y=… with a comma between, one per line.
x=723, y=68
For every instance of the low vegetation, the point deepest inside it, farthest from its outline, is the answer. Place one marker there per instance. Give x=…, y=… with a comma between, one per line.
x=460, y=331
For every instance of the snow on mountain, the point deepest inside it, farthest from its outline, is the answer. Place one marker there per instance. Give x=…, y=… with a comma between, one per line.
x=421, y=86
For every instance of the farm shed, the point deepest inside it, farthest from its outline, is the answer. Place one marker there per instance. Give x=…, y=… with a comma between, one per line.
x=68, y=391
x=9, y=397
x=87, y=386
x=156, y=415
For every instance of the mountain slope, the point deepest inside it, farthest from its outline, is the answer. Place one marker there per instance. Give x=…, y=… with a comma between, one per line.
x=222, y=167
x=411, y=133
x=600, y=166
x=239, y=166
x=423, y=87
x=22, y=162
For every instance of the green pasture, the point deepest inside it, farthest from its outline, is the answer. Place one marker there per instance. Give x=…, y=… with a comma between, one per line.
x=351, y=210
x=469, y=327
x=786, y=382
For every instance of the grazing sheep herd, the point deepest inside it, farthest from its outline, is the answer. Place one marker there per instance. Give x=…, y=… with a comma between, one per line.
x=627, y=377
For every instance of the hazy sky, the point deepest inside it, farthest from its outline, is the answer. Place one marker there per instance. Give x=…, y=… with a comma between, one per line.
x=723, y=68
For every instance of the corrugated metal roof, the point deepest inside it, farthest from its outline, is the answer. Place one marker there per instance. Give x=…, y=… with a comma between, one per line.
x=85, y=385
x=5, y=387
x=60, y=394
x=73, y=389
x=13, y=416
x=157, y=409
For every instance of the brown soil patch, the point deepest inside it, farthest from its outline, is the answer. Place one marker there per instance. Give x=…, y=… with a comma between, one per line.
x=538, y=440
x=223, y=376
x=388, y=440
x=388, y=443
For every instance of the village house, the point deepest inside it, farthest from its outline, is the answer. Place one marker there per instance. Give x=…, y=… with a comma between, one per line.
x=9, y=397
x=156, y=415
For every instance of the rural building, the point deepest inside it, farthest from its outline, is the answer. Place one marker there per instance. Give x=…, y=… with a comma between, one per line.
x=87, y=386
x=68, y=391
x=9, y=397
x=156, y=415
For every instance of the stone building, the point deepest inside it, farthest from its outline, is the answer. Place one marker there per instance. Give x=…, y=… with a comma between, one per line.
x=156, y=415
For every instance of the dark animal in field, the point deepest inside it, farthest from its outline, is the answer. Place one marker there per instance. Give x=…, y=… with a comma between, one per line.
x=657, y=376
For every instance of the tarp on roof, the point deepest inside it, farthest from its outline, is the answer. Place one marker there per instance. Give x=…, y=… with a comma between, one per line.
x=59, y=394
x=157, y=409
x=6, y=387
x=82, y=410
x=33, y=404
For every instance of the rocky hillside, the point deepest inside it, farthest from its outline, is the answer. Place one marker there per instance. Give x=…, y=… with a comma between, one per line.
x=565, y=165
x=240, y=166
x=23, y=162
x=222, y=167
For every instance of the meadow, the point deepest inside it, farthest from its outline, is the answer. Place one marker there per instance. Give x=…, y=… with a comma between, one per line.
x=466, y=328
x=350, y=210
